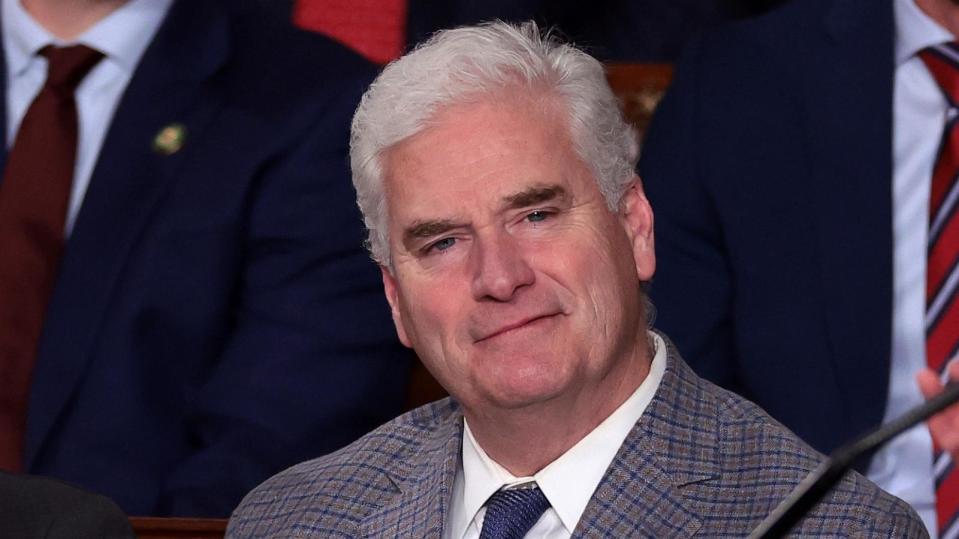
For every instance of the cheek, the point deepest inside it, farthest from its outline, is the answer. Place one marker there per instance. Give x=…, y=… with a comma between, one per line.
x=423, y=322
x=434, y=325
x=602, y=278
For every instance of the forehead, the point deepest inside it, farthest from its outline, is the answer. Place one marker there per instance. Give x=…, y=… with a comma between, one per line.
x=480, y=153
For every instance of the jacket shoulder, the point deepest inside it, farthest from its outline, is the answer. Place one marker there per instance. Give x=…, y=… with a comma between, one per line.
x=761, y=462
x=334, y=492
x=277, y=69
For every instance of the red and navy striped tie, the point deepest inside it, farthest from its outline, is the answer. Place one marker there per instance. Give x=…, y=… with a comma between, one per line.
x=942, y=270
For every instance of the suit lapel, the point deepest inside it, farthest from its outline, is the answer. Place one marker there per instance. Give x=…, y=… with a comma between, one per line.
x=171, y=85
x=849, y=99
x=424, y=483
x=671, y=446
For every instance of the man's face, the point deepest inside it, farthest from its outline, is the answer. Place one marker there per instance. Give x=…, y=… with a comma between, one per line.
x=512, y=280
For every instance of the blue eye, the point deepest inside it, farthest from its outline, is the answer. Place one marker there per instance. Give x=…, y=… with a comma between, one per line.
x=537, y=216
x=442, y=244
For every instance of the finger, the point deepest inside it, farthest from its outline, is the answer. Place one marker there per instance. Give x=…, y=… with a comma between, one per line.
x=953, y=370
x=929, y=384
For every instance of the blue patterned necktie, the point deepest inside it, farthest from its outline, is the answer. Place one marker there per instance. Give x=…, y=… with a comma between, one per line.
x=511, y=513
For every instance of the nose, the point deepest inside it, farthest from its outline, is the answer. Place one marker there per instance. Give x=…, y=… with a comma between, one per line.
x=499, y=268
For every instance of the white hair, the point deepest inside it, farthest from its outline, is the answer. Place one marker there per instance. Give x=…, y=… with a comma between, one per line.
x=461, y=64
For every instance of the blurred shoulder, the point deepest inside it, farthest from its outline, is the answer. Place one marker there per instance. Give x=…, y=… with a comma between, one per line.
x=43, y=507
x=273, y=63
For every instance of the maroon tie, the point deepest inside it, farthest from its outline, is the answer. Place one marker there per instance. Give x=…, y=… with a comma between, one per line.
x=942, y=272
x=33, y=206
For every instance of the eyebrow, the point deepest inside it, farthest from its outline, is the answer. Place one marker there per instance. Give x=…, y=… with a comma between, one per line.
x=428, y=229
x=535, y=195
x=527, y=197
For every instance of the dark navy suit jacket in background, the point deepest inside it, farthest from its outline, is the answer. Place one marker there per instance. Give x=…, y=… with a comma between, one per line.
x=769, y=168
x=611, y=30
x=216, y=318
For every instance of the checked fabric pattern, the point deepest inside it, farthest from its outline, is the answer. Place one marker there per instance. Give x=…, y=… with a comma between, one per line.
x=510, y=513
x=701, y=462
x=942, y=271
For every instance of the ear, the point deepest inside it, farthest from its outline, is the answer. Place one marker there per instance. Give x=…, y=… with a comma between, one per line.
x=636, y=216
x=392, y=296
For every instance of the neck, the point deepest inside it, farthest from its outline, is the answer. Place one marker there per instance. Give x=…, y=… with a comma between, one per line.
x=526, y=440
x=67, y=19
x=944, y=12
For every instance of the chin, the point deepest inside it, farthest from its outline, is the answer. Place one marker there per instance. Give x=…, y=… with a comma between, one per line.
x=519, y=400
x=522, y=391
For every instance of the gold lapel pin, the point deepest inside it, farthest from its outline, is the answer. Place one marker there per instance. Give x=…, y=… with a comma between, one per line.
x=170, y=139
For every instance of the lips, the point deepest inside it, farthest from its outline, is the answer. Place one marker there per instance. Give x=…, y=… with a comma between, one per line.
x=481, y=335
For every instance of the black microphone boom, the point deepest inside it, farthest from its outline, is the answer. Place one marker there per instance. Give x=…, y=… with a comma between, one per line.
x=819, y=481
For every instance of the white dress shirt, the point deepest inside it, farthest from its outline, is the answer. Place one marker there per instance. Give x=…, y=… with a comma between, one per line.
x=122, y=37
x=904, y=467
x=568, y=482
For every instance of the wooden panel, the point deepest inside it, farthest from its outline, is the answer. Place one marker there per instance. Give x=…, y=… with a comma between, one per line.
x=178, y=528
x=639, y=87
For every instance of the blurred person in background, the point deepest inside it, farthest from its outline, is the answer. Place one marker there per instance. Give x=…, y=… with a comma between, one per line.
x=803, y=167
x=40, y=508
x=185, y=304
x=611, y=30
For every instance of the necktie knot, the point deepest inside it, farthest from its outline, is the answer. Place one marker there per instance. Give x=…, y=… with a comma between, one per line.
x=510, y=513
x=942, y=61
x=66, y=66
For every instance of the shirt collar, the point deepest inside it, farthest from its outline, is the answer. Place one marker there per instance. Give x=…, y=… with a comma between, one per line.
x=569, y=481
x=122, y=36
x=22, y=37
x=915, y=30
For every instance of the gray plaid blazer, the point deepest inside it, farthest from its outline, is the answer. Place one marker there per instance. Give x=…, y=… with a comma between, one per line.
x=700, y=462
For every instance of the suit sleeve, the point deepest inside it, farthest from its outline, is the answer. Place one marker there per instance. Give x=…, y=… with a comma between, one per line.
x=692, y=288
x=313, y=361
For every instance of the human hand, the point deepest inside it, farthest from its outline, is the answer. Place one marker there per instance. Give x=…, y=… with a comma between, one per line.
x=944, y=426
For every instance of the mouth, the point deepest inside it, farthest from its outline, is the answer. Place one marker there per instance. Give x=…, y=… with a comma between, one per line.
x=520, y=324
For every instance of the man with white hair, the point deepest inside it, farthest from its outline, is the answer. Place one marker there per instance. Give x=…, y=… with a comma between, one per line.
x=495, y=173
